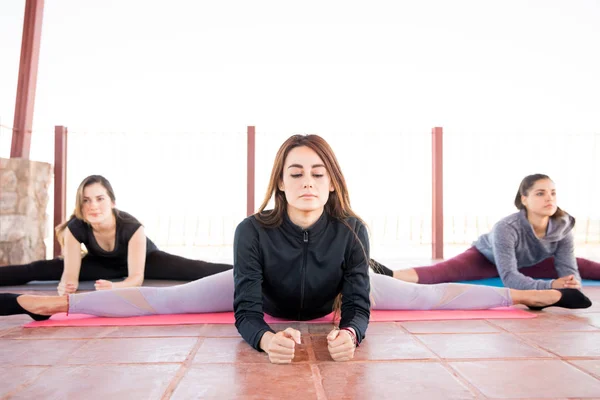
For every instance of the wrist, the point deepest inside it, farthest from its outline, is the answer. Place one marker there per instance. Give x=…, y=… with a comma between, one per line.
x=265, y=340
x=352, y=334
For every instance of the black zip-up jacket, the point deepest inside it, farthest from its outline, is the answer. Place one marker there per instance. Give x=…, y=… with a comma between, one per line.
x=294, y=273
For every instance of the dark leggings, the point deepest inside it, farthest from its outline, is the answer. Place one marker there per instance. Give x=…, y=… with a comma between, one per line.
x=159, y=265
x=472, y=265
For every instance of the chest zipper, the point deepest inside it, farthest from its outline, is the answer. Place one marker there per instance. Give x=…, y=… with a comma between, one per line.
x=303, y=271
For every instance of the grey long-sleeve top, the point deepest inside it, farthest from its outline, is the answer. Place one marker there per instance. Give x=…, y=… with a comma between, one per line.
x=512, y=245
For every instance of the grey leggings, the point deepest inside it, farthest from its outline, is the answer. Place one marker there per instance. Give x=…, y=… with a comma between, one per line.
x=215, y=294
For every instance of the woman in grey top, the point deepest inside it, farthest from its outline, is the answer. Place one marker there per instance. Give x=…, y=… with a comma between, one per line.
x=524, y=248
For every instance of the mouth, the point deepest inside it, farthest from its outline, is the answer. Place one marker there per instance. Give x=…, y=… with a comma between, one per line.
x=308, y=196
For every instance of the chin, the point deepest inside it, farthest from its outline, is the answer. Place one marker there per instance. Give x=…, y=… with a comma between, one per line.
x=548, y=213
x=308, y=208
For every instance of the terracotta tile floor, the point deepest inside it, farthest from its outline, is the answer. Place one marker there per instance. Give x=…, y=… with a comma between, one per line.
x=556, y=356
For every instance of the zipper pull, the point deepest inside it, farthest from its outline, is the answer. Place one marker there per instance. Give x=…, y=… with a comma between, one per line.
x=305, y=236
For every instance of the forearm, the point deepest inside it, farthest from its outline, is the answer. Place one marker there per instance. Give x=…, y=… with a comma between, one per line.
x=516, y=280
x=356, y=316
x=254, y=330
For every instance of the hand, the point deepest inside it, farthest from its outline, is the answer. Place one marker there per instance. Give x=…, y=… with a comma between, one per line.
x=66, y=288
x=340, y=345
x=566, y=282
x=102, y=284
x=280, y=346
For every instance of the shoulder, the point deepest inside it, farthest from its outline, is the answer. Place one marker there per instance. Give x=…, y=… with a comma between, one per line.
x=126, y=218
x=78, y=228
x=249, y=225
x=508, y=224
x=358, y=230
x=353, y=223
x=76, y=223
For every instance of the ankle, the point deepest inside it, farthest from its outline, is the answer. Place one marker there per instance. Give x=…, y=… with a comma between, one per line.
x=407, y=275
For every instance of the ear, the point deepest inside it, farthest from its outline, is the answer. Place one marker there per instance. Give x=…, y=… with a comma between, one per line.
x=524, y=200
x=281, y=186
x=331, y=188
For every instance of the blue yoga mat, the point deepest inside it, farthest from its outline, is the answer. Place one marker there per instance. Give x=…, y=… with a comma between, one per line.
x=497, y=282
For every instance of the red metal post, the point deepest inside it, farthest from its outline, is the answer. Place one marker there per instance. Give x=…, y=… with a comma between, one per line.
x=250, y=167
x=437, y=214
x=60, y=180
x=28, y=68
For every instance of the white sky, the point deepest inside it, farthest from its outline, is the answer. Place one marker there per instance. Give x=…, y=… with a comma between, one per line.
x=316, y=66
x=487, y=71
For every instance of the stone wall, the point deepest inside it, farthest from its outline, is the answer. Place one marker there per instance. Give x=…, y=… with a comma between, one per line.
x=23, y=200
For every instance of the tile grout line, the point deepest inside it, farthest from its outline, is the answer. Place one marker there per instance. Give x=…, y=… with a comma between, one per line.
x=185, y=366
x=557, y=356
x=532, y=343
x=529, y=342
x=315, y=371
x=597, y=377
x=26, y=384
x=472, y=388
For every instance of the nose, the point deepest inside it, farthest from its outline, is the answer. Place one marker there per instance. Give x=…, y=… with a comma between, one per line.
x=308, y=183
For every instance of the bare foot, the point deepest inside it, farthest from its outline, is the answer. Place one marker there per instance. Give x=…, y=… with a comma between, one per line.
x=43, y=305
x=535, y=298
x=407, y=275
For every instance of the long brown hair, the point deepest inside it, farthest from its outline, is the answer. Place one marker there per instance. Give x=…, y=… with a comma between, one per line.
x=338, y=204
x=524, y=188
x=78, y=213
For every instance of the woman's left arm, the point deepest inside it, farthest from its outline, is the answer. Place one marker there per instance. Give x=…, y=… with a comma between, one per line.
x=136, y=262
x=356, y=288
x=564, y=258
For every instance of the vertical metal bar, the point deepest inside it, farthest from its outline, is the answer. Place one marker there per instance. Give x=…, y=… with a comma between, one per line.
x=60, y=180
x=250, y=168
x=28, y=68
x=437, y=215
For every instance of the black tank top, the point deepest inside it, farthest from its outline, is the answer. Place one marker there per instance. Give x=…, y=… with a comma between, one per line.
x=127, y=225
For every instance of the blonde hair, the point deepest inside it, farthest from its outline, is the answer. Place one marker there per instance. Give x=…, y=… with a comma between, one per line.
x=78, y=213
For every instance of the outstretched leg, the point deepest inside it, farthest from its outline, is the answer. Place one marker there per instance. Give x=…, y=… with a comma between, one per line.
x=393, y=294
x=588, y=269
x=211, y=294
x=466, y=266
x=43, y=270
x=92, y=268
x=161, y=265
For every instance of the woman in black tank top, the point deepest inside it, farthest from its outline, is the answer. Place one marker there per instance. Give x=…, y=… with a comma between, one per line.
x=116, y=246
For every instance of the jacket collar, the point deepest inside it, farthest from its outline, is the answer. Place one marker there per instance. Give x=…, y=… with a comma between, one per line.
x=314, y=230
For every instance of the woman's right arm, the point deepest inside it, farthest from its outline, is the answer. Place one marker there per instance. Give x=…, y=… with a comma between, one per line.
x=504, y=241
x=72, y=258
x=248, y=304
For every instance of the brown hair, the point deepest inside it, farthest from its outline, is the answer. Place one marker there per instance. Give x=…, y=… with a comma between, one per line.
x=77, y=213
x=338, y=204
x=524, y=188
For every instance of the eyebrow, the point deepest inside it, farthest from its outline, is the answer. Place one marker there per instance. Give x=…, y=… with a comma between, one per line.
x=300, y=166
x=86, y=197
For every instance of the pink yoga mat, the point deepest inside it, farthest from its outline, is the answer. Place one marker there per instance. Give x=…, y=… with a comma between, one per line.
x=228, y=318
